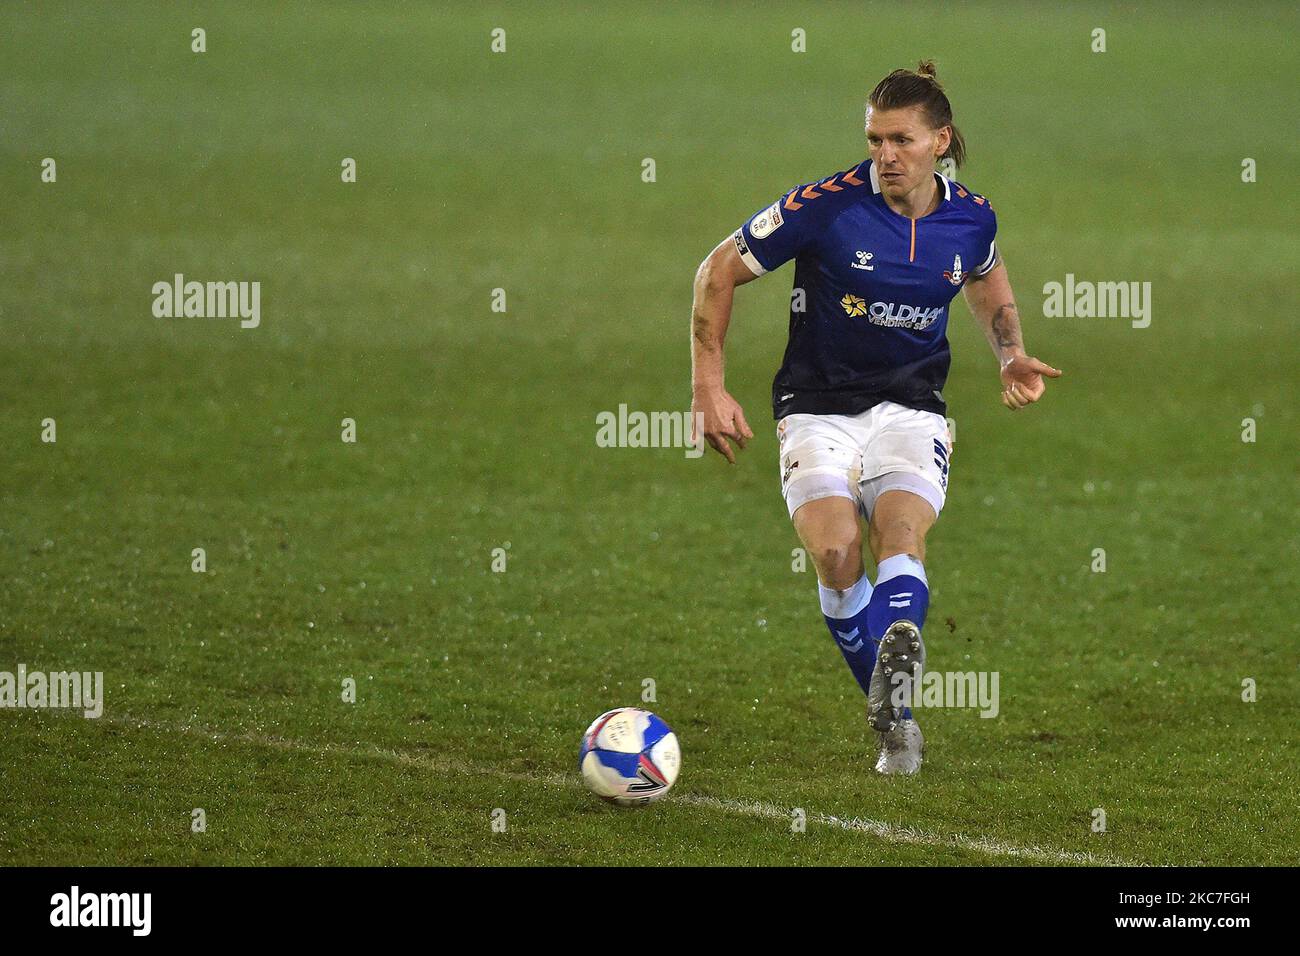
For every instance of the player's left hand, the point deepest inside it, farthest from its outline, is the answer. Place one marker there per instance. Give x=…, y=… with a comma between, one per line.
x=1022, y=380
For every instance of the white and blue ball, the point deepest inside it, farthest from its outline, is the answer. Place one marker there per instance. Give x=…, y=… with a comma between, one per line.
x=629, y=757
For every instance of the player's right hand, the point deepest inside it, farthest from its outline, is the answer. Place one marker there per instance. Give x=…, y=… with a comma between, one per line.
x=723, y=419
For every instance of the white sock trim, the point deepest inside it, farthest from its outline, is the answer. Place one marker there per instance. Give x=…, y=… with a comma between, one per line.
x=897, y=566
x=842, y=605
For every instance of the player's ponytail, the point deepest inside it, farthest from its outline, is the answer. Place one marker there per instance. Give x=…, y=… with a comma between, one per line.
x=920, y=87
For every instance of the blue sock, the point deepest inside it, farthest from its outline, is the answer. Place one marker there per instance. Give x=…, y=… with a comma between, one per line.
x=901, y=593
x=846, y=616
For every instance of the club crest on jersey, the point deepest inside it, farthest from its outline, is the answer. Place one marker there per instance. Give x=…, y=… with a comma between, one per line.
x=852, y=305
x=766, y=222
x=956, y=276
x=864, y=261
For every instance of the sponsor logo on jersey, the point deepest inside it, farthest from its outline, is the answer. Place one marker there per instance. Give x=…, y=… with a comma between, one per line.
x=852, y=305
x=766, y=222
x=893, y=315
x=956, y=276
x=864, y=261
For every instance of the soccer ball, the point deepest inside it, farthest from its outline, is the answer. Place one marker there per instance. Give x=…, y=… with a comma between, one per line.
x=629, y=757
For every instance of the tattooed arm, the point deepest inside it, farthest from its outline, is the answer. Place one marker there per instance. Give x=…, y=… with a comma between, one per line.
x=715, y=283
x=994, y=307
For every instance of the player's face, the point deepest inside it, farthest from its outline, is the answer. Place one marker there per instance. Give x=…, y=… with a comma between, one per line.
x=903, y=148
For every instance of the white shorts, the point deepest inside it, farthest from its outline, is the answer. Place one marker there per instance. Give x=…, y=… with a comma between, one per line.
x=886, y=448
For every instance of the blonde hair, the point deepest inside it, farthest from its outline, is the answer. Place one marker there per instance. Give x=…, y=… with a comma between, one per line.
x=920, y=87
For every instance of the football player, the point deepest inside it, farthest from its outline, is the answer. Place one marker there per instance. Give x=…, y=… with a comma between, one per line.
x=880, y=250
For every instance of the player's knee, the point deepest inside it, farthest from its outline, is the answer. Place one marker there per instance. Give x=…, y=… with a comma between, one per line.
x=838, y=557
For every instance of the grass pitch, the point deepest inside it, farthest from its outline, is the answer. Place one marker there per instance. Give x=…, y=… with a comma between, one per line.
x=476, y=429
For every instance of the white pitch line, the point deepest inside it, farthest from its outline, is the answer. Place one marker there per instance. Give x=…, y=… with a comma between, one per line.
x=749, y=808
x=896, y=834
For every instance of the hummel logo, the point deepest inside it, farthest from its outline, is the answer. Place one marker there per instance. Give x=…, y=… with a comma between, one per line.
x=864, y=261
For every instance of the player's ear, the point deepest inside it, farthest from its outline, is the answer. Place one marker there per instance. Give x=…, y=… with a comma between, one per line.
x=942, y=141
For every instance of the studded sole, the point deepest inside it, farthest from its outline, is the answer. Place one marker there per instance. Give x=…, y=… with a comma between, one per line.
x=900, y=661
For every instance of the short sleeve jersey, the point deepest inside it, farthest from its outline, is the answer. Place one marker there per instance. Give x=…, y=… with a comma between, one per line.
x=869, y=310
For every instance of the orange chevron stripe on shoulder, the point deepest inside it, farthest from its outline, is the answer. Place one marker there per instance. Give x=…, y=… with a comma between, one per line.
x=962, y=193
x=826, y=185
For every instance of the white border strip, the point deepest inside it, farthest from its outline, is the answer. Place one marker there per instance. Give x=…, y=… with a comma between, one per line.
x=748, y=257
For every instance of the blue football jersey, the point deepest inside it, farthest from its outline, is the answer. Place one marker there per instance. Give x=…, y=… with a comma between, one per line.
x=869, y=311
